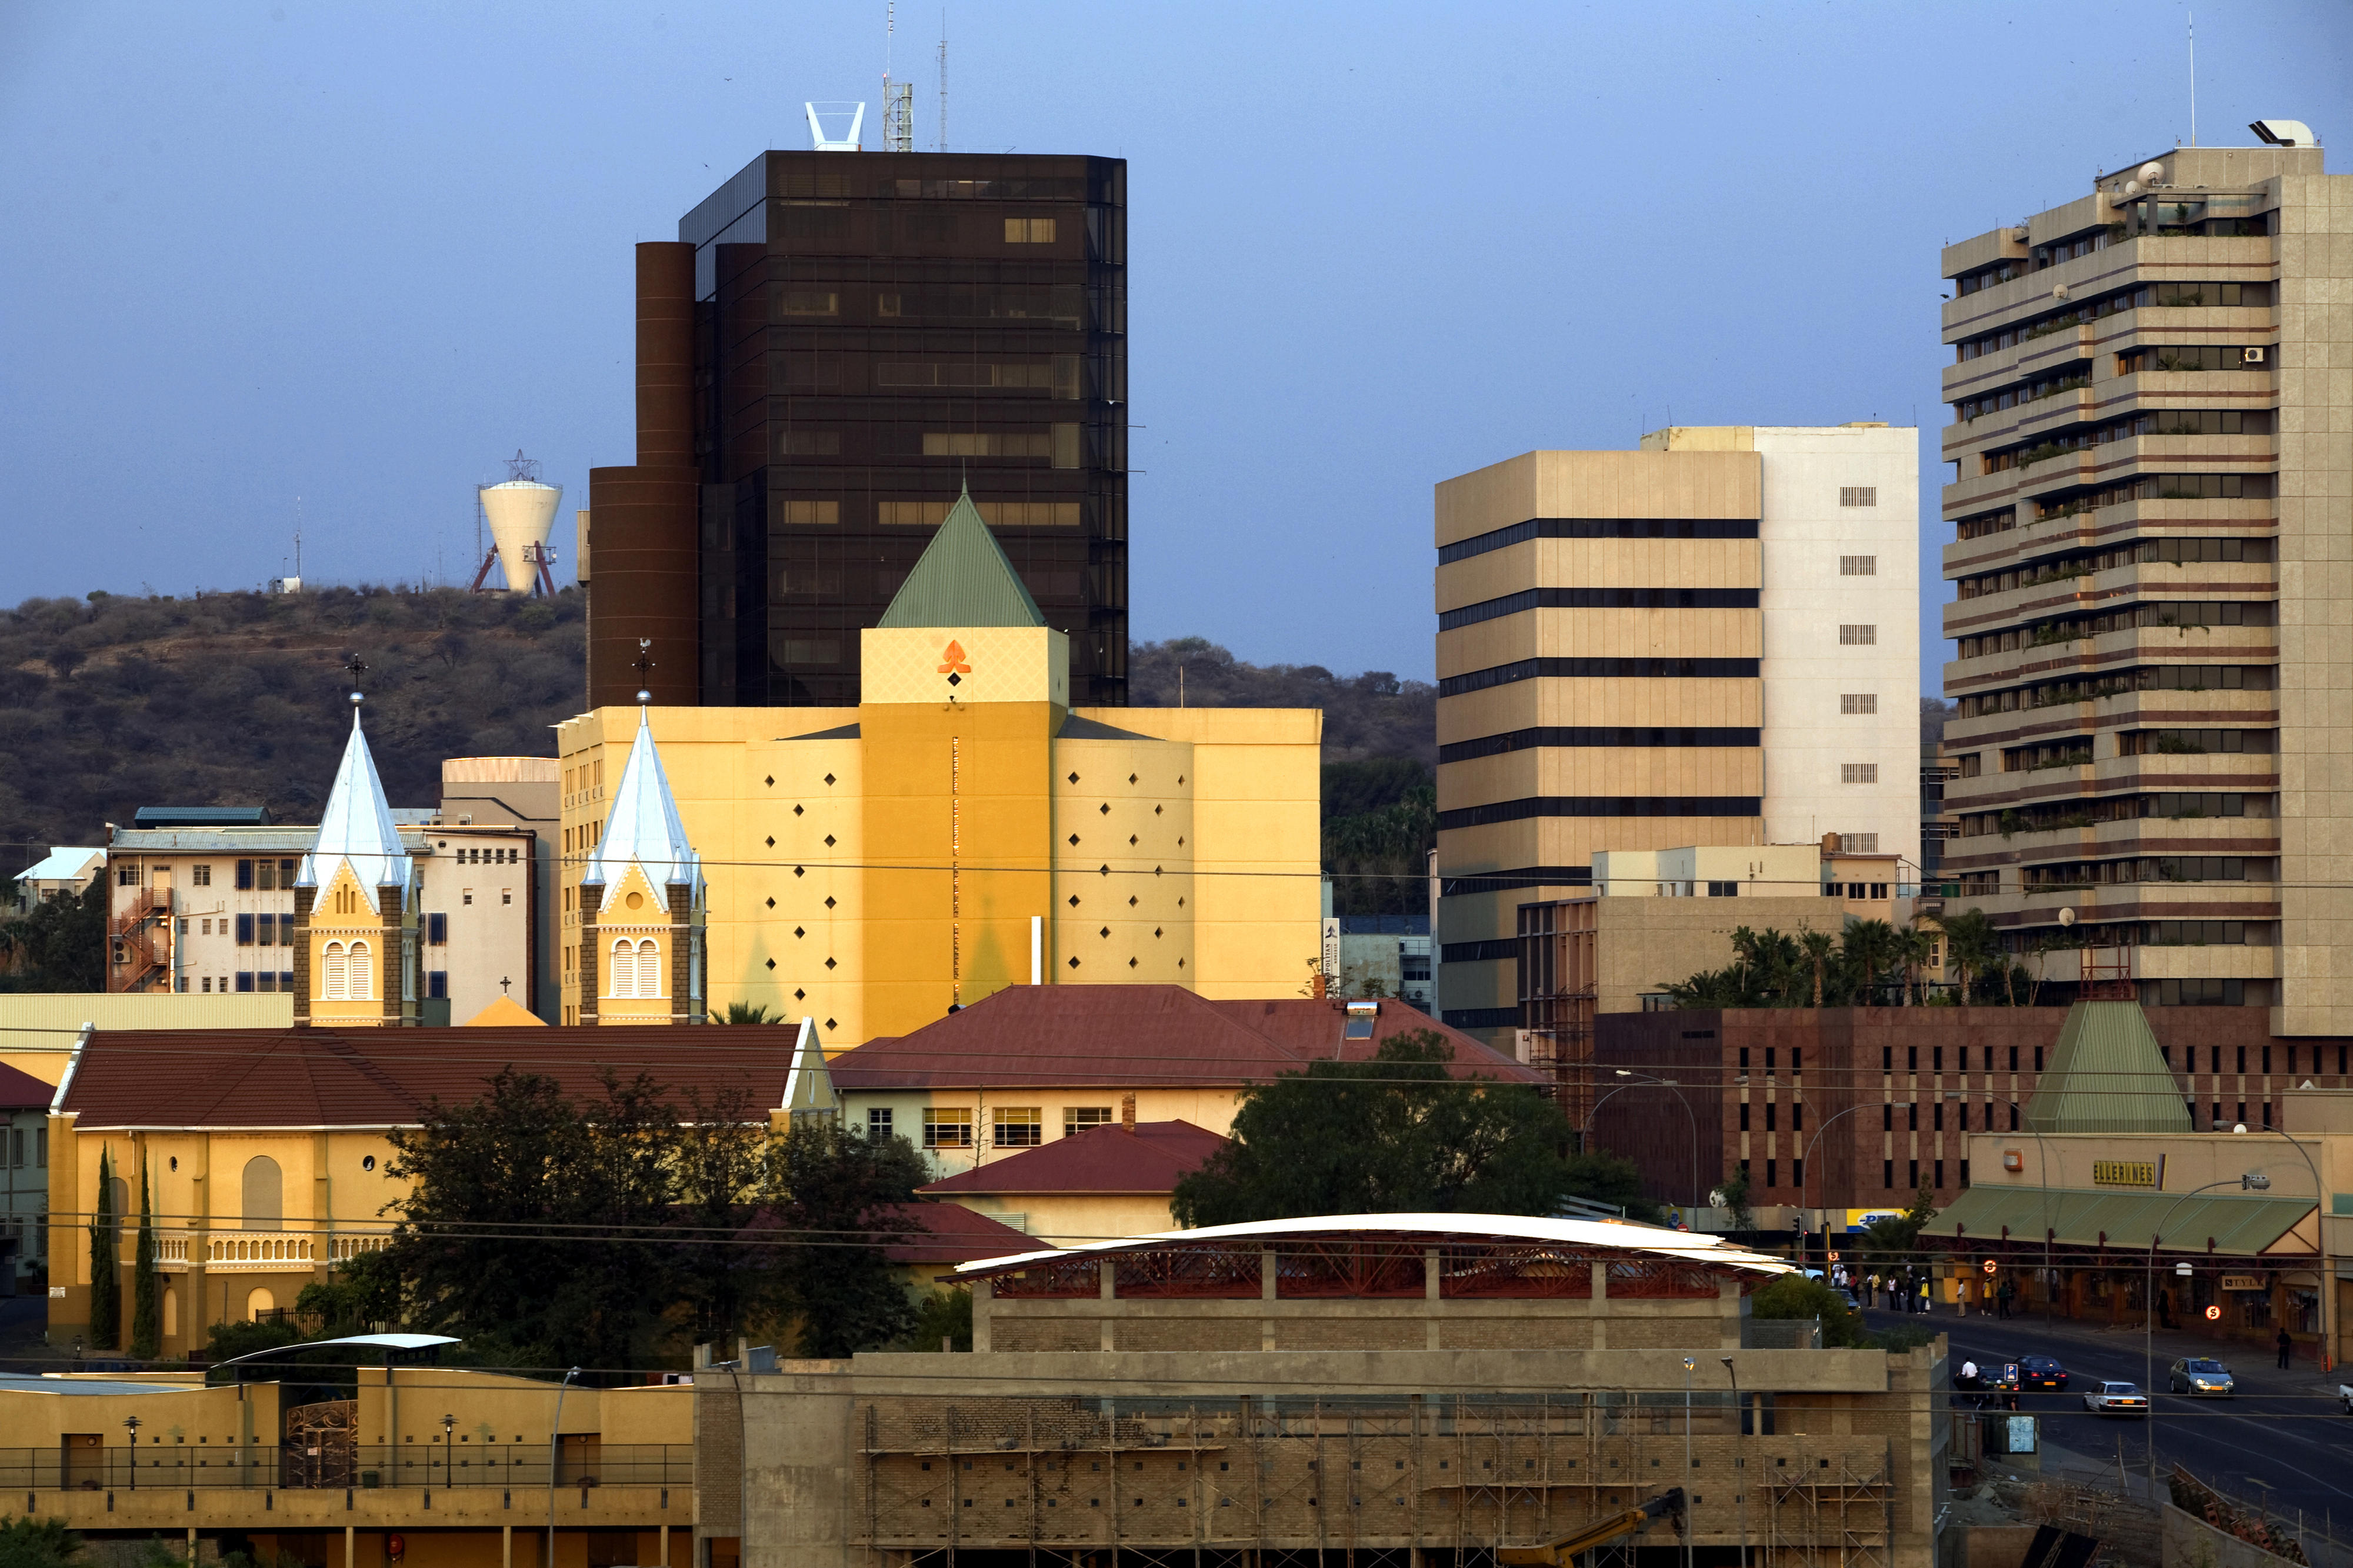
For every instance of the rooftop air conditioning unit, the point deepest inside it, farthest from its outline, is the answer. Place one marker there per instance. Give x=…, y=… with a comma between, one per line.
x=2252, y=357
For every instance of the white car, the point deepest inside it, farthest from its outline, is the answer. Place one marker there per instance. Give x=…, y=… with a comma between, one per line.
x=2116, y=1399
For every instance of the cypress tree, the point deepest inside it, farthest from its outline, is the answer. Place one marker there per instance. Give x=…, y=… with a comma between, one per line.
x=105, y=1264
x=146, y=1280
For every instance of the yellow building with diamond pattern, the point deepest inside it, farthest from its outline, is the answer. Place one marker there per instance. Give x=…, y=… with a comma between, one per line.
x=964, y=828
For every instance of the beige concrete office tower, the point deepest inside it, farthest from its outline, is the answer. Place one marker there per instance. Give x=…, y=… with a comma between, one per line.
x=1713, y=640
x=2152, y=391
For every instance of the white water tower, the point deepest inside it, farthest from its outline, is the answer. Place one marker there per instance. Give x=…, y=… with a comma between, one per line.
x=522, y=514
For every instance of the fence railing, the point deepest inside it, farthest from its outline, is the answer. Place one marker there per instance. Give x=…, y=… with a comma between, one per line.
x=359, y=1465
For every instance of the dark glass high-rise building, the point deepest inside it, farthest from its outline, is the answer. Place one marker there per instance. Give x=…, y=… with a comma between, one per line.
x=869, y=333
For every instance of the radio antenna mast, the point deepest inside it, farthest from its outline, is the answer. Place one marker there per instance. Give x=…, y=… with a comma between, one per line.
x=944, y=78
x=2193, y=77
x=898, y=97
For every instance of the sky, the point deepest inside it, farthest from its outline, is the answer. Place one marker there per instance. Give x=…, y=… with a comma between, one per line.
x=274, y=264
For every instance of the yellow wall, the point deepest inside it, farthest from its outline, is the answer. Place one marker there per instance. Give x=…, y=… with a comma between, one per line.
x=950, y=825
x=197, y=1184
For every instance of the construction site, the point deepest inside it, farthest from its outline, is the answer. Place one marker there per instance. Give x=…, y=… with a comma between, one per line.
x=1415, y=1390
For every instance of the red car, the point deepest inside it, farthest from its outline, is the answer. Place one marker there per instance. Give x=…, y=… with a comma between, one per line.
x=2041, y=1372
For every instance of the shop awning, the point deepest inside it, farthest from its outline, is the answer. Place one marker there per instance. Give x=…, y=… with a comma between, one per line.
x=2237, y=1226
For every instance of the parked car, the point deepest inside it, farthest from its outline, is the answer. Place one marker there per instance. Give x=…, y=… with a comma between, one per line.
x=2041, y=1372
x=2116, y=1399
x=2202, y=1375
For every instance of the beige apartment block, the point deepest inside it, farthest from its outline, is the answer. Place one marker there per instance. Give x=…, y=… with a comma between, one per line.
x=1711, y=640
x=2152, y=438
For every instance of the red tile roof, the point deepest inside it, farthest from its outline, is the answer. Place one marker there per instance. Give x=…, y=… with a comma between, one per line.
x=385, y=1078
x=955, y=1234
x=1136, y=1037
x=1108, y=1159
x=21, y=1090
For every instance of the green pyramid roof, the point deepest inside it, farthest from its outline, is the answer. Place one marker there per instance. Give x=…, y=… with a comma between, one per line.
x=2106, y=1075
x=963, y=580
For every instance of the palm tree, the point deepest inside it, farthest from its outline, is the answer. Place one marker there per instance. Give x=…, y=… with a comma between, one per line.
x=1871, y=945
x=1817, y=945
x=1915, y=945
x=1974, y=946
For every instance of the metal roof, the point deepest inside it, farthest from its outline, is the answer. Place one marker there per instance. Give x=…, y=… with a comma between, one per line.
x=63, y=864
x=356, y=829
x=1647, y=1240
x=2238, y=1226
x=369, y=1341
x=20, y=1383
x=2106, y=1075
x=201, y=816
x=963, y=580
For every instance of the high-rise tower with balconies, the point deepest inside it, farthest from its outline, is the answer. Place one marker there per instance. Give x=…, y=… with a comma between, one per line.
x=2152, y=516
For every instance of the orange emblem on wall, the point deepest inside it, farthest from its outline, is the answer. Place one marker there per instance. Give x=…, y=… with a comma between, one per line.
x=951, y=663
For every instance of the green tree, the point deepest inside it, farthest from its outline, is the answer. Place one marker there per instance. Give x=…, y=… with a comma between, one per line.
x=942, y=1315
x=1599, y=1176
x=720, y=1168
x=1818, y=946
x=146, y=1280
x=1972, y=947
x=105, y=1262
x=1870, y=947
x=29, y=1543
x=1395, y=1133
x=746, y=1012
x=357, y=1297
x=59, y=944
x=1915, y=945
x=533, y=1225
x=1795, y=1295
x=837, y=1198
x=1734, y=1195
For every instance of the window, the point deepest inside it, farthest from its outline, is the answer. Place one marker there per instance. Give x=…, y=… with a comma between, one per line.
x=436, y=931
x=1768, y=1174
x=812, y=513
x=244, y=875
x=1079, y=1118
x=1858, y=701
x=1857, y=495
x=126, y=875
x=1858, y=773
x=466, y=896
x=265, y=1194
x=947, y=1127
x=1715, y=891
x=1858, y=636
x=264, y=875
x=200, y=875
x=1887, y=1118
x=244, y=931
x=207, y=985
x=1771, y=1112
x=244, y=982
x=878, y=1122
x=437, y=982
x=1887, y=1175
x=810, y=302
x=343, y=973
x=635, y=968
x=1744, y=1116
x=1029, y=231
x=1019, y=1126
x=1858, y=565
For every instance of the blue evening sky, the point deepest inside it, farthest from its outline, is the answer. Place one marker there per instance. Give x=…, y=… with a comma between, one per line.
x=271, y=260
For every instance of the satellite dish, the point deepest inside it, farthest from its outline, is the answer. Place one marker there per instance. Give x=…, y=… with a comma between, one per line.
x=2152, y=172
x=2132, y=187
x=2067, y=917
x=2059, y=291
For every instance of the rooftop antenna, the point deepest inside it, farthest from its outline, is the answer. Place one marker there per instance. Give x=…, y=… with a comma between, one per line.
x=944, y=78
x=2193, y=76
x=898, y=98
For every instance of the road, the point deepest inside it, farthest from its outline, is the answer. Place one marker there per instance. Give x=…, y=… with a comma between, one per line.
x=2284, y=1435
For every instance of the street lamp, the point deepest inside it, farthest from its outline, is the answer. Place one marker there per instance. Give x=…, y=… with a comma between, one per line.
x=449, y=1450
x=1739, y=1450
x=131, y=1425
x=2253, y=1181
x=1809, y=1158
x=1690, y=1526
x=2050, y=1274
x=2320, y=1238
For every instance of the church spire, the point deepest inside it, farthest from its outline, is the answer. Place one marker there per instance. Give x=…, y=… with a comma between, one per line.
x=356, y=827
x=643, y=828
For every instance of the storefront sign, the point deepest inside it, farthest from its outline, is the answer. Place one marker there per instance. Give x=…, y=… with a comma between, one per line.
x=2124, y=1172
x=2243, y=1283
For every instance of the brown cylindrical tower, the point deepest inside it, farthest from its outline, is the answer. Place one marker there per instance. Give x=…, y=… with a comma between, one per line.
x=642, y=519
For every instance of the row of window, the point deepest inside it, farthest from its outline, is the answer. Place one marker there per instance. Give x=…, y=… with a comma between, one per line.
x=2189, y=421
x=2165, y=296
x=1010, y=1126
x=2183, y=613
x=2171, y=804
x=1601, y=669
x=2139, y=678
x=1597, y=528
x=2148, y=487
x=2148, y=868
x=2168, y=551
x=1069, y=306
x=1059, y=445
x=1528, y=599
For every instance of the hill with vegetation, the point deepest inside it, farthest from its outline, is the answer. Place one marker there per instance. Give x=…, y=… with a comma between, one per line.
x=111, y=703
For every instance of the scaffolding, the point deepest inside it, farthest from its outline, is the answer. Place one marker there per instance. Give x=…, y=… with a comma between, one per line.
x=1260, y=1480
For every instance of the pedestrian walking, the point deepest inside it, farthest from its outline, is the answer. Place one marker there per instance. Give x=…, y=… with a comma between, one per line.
x=2286, y=1345
x=2002, y=1297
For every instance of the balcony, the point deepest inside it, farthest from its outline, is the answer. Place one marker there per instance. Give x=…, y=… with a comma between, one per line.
x=260, y=1251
